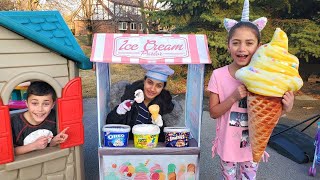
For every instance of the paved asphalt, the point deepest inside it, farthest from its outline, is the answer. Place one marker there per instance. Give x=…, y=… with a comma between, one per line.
x=278, y=167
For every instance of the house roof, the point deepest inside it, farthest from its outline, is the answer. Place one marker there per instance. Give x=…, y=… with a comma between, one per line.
x=133, y=3
x=48, y=29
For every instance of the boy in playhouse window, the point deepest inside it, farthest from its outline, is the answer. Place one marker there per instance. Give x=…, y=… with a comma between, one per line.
x=140, y=95
x=36, y=128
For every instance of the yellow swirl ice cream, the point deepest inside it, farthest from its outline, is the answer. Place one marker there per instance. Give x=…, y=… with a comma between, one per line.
x=272, y=70
x=154, y=110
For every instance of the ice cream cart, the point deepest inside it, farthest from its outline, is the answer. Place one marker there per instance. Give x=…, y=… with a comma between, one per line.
x=160, y=162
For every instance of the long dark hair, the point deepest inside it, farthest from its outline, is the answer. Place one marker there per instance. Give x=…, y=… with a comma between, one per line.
x=164, y=99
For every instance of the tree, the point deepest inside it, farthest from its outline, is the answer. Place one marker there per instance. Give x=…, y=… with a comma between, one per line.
x=143, y=15
x=206, y=17
x=6, y=5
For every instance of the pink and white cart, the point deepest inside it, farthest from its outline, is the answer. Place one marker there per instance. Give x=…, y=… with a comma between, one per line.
x=160, y=162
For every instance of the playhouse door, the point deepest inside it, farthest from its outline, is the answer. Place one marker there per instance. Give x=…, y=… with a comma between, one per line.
x=70, y=112
x=6, y=146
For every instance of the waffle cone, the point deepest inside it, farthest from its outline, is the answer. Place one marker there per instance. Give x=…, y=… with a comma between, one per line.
x=154, y=110
x=263, y=115
x=172, y=176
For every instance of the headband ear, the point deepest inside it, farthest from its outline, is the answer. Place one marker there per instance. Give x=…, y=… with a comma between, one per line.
x=229, y=23
x=260, y=23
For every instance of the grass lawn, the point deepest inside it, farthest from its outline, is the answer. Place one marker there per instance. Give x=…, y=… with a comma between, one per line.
x=176, y=83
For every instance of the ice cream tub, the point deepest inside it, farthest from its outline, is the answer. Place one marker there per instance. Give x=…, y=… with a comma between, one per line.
x=145, y=136
x=177, y=136
x=116, y=135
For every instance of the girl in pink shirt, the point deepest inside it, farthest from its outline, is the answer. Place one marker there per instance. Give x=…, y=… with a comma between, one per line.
x=227, y=101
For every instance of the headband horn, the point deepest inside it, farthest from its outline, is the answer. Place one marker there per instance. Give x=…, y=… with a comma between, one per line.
x=260, y=22
x=245, y=11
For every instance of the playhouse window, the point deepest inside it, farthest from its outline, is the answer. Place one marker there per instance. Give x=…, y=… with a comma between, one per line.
x=18, y=104
x=18, y=97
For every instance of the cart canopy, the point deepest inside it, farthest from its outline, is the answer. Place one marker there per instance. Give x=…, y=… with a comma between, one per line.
x=150, y=48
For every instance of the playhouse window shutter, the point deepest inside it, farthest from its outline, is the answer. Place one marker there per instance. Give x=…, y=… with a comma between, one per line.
x=6, y=145
x=70, y=113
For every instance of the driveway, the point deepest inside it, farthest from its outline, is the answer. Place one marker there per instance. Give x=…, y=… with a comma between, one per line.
x=278, y=167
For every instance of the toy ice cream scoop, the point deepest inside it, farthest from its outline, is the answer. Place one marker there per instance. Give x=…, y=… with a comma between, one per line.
x=154, y=110
x=271, y=72
x=138, y=97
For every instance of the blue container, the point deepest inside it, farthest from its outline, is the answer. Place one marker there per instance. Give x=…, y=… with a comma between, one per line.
x=116, y=135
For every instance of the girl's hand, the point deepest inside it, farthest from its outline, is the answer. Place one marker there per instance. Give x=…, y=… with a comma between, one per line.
x=287, y=101
x=265, y=156
x=124, y=107
x=158, y=121
x=59, y=138
x=40, y=143
x=239, y=93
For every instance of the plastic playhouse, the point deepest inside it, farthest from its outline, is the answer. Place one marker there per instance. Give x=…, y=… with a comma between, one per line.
x=38, y=45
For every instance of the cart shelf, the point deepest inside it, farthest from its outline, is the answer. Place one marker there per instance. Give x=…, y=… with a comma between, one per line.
x=160, y=149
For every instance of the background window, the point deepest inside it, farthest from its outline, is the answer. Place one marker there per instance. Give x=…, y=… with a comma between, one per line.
x=133, y=26
x=122, y=26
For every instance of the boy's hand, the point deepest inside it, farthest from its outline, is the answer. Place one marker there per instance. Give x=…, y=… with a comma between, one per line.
x=59, y=138
x=239, y=93
x=41, y=142
x=287, y=101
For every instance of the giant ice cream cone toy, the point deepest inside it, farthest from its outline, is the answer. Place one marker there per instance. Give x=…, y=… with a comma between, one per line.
x=154, y=110
x=271, y=72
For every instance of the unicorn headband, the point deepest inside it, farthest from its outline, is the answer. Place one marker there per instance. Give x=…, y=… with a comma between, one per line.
x=260, y=22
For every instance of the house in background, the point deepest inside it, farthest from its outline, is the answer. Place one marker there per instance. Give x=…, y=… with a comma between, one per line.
x=38, y=45
x=111, y=16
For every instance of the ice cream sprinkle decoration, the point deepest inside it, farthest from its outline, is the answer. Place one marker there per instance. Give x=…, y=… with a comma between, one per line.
x=272, y=70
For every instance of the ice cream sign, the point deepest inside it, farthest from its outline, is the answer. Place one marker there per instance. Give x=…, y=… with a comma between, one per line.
x=150, y=48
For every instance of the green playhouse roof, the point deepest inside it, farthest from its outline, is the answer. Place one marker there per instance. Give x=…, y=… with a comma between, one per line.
x=48, y=29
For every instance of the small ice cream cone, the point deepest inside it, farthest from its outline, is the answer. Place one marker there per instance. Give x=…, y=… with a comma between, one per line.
x=154, y=110
x=263, y=115
x=172, y=176
x=171, y=172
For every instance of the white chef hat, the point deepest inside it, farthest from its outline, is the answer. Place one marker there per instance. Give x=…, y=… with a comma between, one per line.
x=158, y=72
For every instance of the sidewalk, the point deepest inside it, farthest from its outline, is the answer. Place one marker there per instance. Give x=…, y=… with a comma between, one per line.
x=278, y=167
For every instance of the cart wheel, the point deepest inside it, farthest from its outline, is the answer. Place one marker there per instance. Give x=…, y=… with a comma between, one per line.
x=312, y=171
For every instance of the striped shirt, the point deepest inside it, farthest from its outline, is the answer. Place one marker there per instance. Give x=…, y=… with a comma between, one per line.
x=143, y=114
